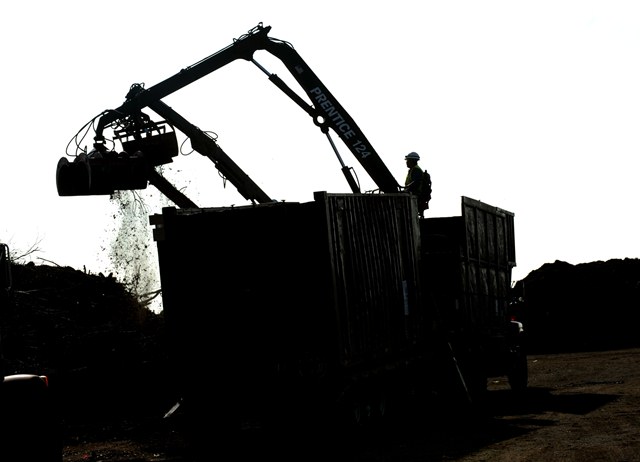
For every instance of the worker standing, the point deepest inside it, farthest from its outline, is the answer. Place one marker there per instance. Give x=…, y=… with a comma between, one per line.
x=418, y=181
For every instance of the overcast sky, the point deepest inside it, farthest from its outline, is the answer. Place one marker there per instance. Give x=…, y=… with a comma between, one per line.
x=533, y=107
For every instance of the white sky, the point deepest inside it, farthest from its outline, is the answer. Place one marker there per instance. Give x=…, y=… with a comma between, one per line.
x=533, y=107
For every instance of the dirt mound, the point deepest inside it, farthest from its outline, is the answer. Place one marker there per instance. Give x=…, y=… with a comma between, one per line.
x=102, y=351
x=584, y=307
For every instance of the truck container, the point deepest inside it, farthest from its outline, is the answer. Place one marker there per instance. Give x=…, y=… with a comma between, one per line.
x=290, y=305
x=346, y=305
x=467, y=262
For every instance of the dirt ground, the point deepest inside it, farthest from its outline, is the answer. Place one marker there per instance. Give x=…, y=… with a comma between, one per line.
x=579, y=407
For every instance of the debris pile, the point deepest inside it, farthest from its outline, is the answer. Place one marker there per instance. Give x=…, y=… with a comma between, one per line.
x=102, y=351
x=583, y=307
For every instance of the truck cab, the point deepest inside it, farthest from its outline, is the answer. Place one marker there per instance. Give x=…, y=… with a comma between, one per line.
x=29, y=428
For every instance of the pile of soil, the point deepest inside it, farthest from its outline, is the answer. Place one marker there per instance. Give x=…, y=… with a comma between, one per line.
x=104, y=352
x=585, y=307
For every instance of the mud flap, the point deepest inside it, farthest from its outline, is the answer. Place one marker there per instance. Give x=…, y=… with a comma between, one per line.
x=459, y=377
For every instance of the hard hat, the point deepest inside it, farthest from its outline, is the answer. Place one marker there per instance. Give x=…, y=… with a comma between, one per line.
x=412, y=155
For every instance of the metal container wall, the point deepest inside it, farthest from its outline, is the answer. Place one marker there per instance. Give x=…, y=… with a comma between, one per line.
x=374, y=255
x=467, y=265
x=258, y=289
x=488, y=257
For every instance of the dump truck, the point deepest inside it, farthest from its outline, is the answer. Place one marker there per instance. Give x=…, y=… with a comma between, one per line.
x=349, y=303
x=29, y=426
x=345, y=307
